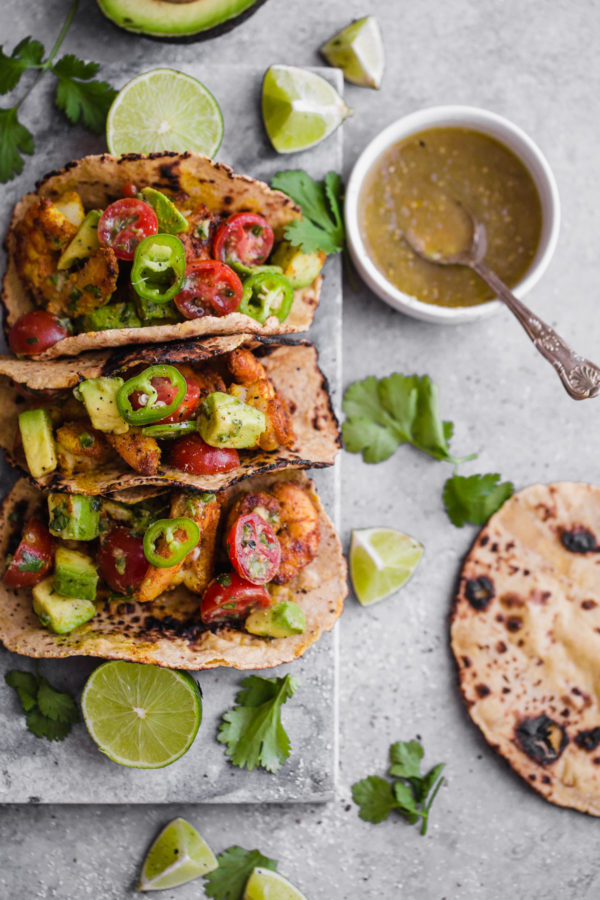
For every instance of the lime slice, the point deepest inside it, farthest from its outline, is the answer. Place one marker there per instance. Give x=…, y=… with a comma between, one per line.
x=381, y=561
x=299, y=108
x=164, y=110
x=178, y=855
x=358, y=51
x=264, y=884
x=141, y=716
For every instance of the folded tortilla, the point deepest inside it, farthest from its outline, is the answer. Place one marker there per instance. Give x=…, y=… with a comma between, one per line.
x=168, y=631
x=99, y=181
x=292, y=367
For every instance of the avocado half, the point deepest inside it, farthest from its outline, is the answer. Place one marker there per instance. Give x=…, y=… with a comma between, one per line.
x=183, y=20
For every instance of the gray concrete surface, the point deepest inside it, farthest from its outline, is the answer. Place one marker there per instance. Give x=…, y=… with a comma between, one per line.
x=491, y=837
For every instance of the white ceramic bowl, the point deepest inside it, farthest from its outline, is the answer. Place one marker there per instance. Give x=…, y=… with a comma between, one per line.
x=479, y=120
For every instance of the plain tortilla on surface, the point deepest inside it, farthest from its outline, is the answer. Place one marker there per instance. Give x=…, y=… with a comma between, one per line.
x=292, y=366
x=99, y=181
x=525, y=633
x=128, y=630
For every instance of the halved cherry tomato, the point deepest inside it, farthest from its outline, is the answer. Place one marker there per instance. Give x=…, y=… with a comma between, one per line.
x=188, y=405
x=244, y=238
x=35, y=332
x=253, y=548
x=124, y=224
x=191, y=454
x=129, y=189
x=33, y=557
x=121, y=560
x=210, y=288
x=231, y=597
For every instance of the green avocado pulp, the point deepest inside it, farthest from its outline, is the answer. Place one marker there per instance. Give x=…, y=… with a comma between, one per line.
x=173, y=18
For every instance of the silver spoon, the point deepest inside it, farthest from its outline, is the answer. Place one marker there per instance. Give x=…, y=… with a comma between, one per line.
x=580, y=377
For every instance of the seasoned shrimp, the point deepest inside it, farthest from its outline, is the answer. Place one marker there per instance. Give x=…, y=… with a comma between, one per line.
x=140, y=452
x=80, y=448
x=287, y=507
x=197, y=240
x=206, y=379
x=256, y=388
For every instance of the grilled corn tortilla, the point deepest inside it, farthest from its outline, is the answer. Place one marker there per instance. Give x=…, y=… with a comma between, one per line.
x=133, y=631
x=99, y=181
x=526, y=636
x=291, y=366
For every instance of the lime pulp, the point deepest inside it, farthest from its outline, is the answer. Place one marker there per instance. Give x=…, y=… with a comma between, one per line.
x=358, y=51
x=264, y=884
x=381, y=562
x=178, y=855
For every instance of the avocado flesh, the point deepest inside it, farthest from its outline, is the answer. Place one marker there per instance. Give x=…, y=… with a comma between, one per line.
x=84, y=243
x=74, y=517
x=37, y=438
x=75, y=574
x=279, y=621
x=60, y=614
x=161, y=18
x=299, y=268
x=100, y=398
x=225, y=421
x=114, y=315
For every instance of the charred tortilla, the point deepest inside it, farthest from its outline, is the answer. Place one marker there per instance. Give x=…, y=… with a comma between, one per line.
x=526, y=637
x=291, y=366
x=167, y=631
x=99, y=180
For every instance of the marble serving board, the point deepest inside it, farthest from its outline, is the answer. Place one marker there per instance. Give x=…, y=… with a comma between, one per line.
x=36, y=771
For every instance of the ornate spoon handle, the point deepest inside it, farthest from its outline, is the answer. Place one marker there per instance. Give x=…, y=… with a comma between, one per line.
x=580, y=377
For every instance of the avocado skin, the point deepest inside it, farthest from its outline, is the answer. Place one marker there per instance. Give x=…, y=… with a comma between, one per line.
x=205, y=35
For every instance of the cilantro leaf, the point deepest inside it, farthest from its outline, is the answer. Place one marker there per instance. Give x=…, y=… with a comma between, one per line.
x=383, y=413
x=30, y=562
x=474, y=498
x=78, y=97
x=27, y=54
x=322, y=225
x=44, y=726
x=25, y=684
x=405, y=758
x=14, y=140
x=406, y=801
x=252, y=730
x=228, y=881
x=56, y=705
x=375, y=797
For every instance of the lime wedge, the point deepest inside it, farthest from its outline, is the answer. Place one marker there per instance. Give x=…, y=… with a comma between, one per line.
x=358, y=51
x=299, y=108
x=264, y=884
x=381, y=561
x=164, y=110
x=141, y=716
x=178, y=855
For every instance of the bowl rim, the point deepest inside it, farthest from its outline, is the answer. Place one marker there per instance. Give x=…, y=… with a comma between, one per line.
x=477, y=118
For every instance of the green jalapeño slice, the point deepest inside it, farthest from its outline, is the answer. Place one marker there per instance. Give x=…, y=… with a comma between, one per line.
x=267, y=294
x=176, y=536
x=152, y=395
x=158, y=267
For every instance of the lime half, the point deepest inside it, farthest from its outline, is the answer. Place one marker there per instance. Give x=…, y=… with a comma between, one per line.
x=381, y=561
x=178, y=855
x=299, y=108
x=264, y=884
x=164, y=110
x=141, y=716
x=358, y=51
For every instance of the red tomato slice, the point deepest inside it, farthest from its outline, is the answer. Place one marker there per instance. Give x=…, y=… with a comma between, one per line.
x=231, y=597
x=35, y=332
x=210, y=288
x=253, y=548
x=165, y=391
x=129, y=189
x=33, y=557
x=188, y=405
x=190, y=454
x=124, y=224
x=245, y=238
x=121, y=560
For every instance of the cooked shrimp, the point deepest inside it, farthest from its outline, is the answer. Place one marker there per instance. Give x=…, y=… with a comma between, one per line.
x=256, y=388
x=80, y=448
x=197, y=240
x=207, y=380
x=140, y=452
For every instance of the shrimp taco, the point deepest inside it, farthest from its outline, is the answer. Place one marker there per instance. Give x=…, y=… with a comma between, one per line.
x=248, y=578
x=204, y=413
x=137, y=249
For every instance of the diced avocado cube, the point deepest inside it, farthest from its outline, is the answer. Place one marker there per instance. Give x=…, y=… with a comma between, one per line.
x=152, y=313
x=37, y=437
x=75, y=574
x=60, y=614
x=74, y=517
x=282, y=620
x=299, y=268
x=170, y=220
x=225, y=421
x=100, y=398
x=115, y=315
x=84, y=243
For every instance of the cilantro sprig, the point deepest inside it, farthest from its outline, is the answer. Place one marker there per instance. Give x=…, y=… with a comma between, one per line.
x=411, y=793
x=253, y=730
x=322, y=223
x=475, y=498
x=77, y=95
x=49, y=713
x=228, y=881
